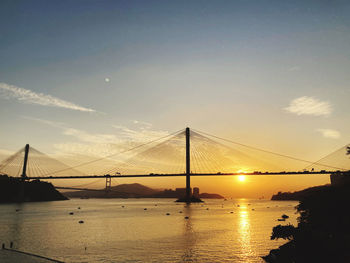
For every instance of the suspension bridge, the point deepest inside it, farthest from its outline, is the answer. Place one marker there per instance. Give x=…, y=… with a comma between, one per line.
x=184, y=153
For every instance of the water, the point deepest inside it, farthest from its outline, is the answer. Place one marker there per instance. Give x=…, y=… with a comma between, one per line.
x=112, y=233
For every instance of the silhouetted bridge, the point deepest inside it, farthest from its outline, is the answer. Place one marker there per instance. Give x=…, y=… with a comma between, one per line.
x=189, y=149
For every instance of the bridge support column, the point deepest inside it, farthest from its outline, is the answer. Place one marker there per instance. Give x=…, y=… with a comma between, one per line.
x=188, y=198
x=108, y=184
x=25, y=161
x=188, y=166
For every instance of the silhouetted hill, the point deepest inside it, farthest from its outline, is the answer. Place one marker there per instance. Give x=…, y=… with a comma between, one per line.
x=119, y=191
x=323, y=231
x=133, y=191
x=16, y=190
x=211, y=196
x=298, y=195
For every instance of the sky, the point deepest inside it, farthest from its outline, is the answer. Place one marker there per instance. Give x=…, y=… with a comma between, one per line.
x=89, y=77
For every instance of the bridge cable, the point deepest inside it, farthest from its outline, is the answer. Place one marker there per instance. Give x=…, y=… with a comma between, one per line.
x=128, y=150
x=266, y=151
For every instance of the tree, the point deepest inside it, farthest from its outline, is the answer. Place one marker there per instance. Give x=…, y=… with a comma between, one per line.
x=285, y=232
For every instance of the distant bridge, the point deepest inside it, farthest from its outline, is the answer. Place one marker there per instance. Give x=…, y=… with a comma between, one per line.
x=206, y=156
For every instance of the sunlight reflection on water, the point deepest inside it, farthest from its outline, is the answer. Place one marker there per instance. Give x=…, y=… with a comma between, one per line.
x=216, y=231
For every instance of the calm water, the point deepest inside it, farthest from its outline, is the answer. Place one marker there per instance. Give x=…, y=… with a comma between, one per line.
x=111, y=233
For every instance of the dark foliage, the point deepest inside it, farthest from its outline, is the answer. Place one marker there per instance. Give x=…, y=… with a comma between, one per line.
x=323, y=232
x=17, y=190
x=285, y=232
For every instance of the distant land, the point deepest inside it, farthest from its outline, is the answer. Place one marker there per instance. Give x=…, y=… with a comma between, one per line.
x=15, y=190
x=135, y=191
x=299, y=195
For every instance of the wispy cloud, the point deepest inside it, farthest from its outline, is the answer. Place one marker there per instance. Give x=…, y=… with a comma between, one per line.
x=309, y=106
x=140, y=134
x=101, y=144
x=28, y=96
x=5, y=154
x=329, y=133
x=294, y=68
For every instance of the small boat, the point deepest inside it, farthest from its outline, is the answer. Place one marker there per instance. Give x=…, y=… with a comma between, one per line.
x=81, y=222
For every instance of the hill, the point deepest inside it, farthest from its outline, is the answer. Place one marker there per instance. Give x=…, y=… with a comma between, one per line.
x=15, y=190
x=322, y=233
x=299, y=195
x=119, y=191
x=133, y=191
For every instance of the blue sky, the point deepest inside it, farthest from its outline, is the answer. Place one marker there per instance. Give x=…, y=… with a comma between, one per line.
x=232, y=68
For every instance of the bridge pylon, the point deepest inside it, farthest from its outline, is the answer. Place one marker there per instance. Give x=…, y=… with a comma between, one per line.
x=108, y=184
x=188, y=198
x=25, y=162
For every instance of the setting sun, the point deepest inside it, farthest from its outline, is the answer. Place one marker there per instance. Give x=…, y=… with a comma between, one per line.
x=241, y=178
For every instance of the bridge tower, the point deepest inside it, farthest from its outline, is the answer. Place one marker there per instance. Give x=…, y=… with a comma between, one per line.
x=188, y=166
x=189, y=198
x=108, y=184
x=25, y=162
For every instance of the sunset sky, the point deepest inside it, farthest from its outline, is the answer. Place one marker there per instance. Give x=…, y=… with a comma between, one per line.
x=88, y=77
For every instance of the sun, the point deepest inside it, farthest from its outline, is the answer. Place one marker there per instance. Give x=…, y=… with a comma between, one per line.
x=241, y=178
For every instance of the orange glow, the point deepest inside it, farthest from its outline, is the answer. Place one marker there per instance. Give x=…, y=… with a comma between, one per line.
x=241, y=178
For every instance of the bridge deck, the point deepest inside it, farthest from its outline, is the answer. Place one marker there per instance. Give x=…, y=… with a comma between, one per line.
x=182, y=174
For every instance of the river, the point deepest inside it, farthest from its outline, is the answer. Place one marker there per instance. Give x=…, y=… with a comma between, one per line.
x=145, y=230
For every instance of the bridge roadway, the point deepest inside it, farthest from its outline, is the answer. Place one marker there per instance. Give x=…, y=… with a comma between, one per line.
x=181, y=174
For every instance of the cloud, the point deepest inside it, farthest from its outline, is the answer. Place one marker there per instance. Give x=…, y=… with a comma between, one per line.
x=309, y=106
x=101, y=144
x=28, y=96
x=5, y=154
x=47, y=122
x=142, y=124
x=294, y=68
x=141, y=134
x=329, y=133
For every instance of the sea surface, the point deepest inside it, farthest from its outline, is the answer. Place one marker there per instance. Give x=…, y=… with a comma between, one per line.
x=139, y=230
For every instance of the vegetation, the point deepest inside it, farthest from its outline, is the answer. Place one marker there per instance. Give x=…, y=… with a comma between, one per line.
x=323, y=231
x=16, y=190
